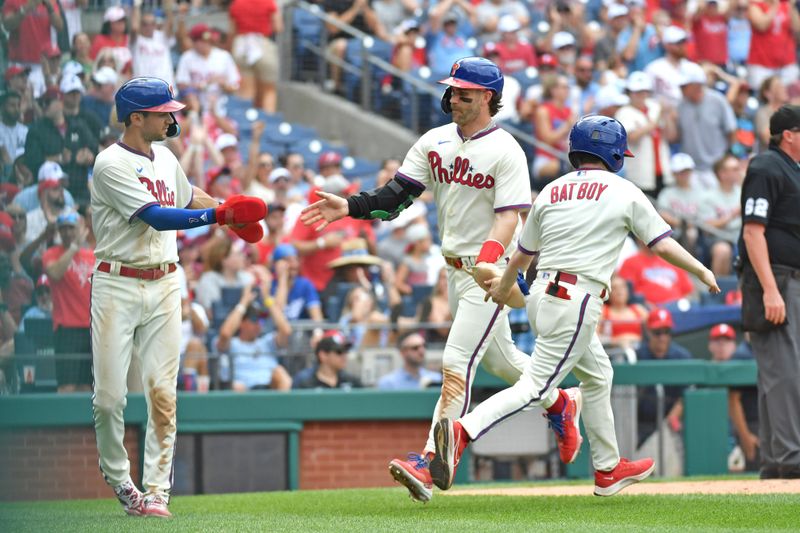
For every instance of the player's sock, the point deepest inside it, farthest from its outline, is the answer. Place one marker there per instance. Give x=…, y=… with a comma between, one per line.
x=559, y=404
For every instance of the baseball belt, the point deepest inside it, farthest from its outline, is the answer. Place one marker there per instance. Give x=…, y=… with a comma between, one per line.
x=147, y=274
x=459, y=262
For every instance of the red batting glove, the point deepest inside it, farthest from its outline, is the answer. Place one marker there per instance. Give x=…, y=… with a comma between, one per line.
x=252, y=232
x=490, y=252
x=240, y=209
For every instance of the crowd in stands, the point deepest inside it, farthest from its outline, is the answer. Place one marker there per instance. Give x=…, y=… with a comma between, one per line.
x=694, y=83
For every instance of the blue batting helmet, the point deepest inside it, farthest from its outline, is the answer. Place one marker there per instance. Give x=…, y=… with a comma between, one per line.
x=602, y=137
x=147, y=94
x=472, y=73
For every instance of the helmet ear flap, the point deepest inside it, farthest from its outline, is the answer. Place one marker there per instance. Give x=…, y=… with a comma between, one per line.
x=446, y=101
x=174, y=129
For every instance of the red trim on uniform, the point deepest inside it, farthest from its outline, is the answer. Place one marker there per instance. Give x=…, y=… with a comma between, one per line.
x=136, y=213
x=151, y=156
x=572, y=279
x=169, y=107
x=484, y=133
x=660, y=237
x=147, y=274
x=507, y=207
x=410, y=179
x=461, y=84
x=468, y=386
x=524, y=250
x=628, y=153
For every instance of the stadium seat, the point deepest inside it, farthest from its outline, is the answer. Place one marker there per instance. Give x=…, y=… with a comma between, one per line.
x=355, y=167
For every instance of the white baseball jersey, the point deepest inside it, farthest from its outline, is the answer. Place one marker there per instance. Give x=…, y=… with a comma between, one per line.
x=471, y=179
x=579, y=222
x=125, y=183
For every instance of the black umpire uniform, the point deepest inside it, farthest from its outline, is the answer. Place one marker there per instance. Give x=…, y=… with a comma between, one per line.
x=770, y=206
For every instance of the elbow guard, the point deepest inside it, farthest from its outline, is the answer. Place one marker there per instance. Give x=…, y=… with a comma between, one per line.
x=385, y=203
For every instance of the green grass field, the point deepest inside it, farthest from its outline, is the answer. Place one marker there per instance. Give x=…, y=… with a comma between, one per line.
x=390, y=510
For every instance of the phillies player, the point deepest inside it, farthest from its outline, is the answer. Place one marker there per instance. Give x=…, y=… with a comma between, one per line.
x=479, y=177
x=140, y=196
x=578, y=225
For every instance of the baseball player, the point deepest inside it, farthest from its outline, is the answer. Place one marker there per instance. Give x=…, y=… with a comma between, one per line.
x=479, y=177
x=578, y=225
x=140, y=196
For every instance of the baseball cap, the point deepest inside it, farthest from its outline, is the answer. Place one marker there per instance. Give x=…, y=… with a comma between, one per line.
x=71, y=83
x=450, y=17
x=548, y=60
x=282, y=251
x=335, y=184
x=67, y=219
x=617, y=10
x=113, y=14
x=51, y=171
x=333, y=341
x=674, y=35
x=680, y=162
x=417, y=232
x=279, y=173
x=659, y=319
x=692, y=73
x=722, y=330
x=785, y=118
x=610, y=96
x=43, y=281
x=508, y=24
x=226, y=140
x=16, y=70
x=200, y=32
x=72, y=68
x=217, y=173
x=407, y=25
x=639, y=81
x=49, y=95
x=105, y=75
x=329, y=158
x=51, y=50
x=7, y=242
x=563, y=39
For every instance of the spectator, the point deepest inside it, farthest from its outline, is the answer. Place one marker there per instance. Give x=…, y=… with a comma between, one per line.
x=254, y=24
x=228, y=146
x=16, y=79
x=292, y=292
x=638, y=44
x=28, y=198
x=29, y=24
x=436, y=310
x=649, y=126
x=490, y=12
x=721, y=210
x=773, y=48
x=81, y=46
x=552, y=123
x=745, y=141
x=224, y=263
x=255, y=178
x=679, y=205
x=739, y=32
x=50, y=74
x=51, y=200
x=514, y=53
x=361, y=318
x=584, y=88
x=771, y=95
x=358, y=14
x=392, y=13
x=710, y=33
x=621, y=322
x=194, y=322
x=605, y=49
x=114, y=35
x=328, y=372
x=660, y=347
x=21, y=175
x=150, y=51
x=69, y=267
x=409, y=50
x=706, y=124
x=413, y=374
x=609, y=100
x=253, y=354
x=205, y=67
x=275, y=234
x=666, y=71
x=42, y=307
x=100, y=99
x=413, y=269
x=72, y=92
x=657, y=281
x=12, y=131
x=447, y=42
x=565, y=49
x=301, y=178
x=15, y=294
x=17, y=226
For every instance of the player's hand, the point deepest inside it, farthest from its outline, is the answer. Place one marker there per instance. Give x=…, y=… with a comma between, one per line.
x=497, y=292
x=708, y=279
x=248, y=295
x=327, y=210
x=774, y=306
x=258, y=128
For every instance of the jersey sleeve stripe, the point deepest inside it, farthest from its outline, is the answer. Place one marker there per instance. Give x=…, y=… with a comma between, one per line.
x=136, y=213
x=660, y=237
x=507, y=207
x=524, y=250
x=412, y=180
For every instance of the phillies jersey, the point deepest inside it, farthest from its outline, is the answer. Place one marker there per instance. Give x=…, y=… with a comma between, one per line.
x=472, y=179
x=125, y=182
x=579, y=222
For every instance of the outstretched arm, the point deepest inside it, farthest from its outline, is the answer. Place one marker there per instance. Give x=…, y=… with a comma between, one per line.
x=674, y=253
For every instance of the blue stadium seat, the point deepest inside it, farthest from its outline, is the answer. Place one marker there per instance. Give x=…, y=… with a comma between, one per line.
x=355, y=167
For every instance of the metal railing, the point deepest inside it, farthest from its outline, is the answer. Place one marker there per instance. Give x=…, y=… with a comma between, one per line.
x=370, y=61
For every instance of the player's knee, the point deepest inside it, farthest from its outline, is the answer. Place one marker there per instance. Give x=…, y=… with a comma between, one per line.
x=108, y=402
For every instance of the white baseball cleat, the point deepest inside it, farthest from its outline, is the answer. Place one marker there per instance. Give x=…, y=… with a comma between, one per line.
x=156, y=505
x=130, y=497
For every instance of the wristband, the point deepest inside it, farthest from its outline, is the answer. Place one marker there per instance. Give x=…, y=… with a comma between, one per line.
x=320, y=243
x=240, y=308
x=490, y=252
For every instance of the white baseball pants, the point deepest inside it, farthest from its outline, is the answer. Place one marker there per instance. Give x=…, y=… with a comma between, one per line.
x=142, y=317
x=480, y=333
x=566, y=342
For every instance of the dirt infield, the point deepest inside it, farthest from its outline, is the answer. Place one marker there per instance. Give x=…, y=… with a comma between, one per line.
x=740, y=486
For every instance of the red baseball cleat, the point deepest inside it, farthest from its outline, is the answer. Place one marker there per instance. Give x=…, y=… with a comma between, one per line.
x=624, y=474
x=156, y=505
x=414, y=475
x=450, y=440
x=130, y=497
x=565, y=425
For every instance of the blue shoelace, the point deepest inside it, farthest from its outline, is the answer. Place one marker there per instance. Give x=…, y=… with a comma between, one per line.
x=556, y=422
x=421, y=462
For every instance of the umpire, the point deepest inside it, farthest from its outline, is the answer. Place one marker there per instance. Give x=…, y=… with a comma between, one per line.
x=770, y=250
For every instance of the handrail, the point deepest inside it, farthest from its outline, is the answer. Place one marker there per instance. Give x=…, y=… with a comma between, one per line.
x=371, y=59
